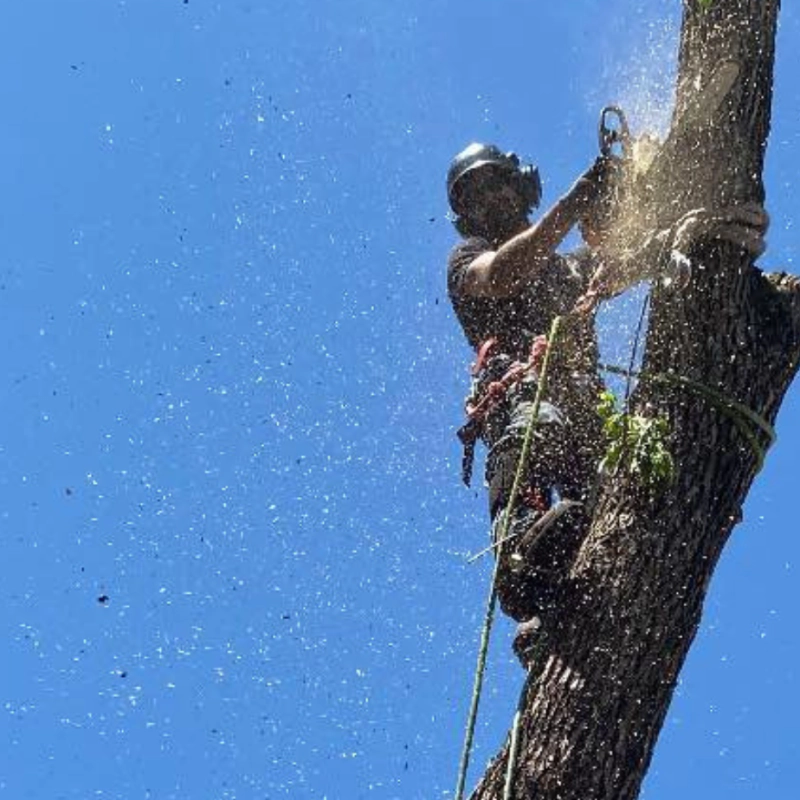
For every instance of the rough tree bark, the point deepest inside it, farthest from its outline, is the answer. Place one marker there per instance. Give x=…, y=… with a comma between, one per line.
x=593, y=713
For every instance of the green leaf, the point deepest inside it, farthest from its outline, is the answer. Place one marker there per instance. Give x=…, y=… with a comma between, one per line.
x=636, y=443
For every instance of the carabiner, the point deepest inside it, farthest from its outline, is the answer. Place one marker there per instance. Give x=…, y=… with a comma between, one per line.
x=609, y=135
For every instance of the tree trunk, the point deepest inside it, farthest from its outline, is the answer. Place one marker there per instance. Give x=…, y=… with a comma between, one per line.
x=603, y=682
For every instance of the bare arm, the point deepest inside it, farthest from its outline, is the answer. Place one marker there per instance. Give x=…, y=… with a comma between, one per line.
x=501, y=272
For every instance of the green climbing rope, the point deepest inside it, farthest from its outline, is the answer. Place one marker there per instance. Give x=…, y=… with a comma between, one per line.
x=492, y=601
x=477, y=684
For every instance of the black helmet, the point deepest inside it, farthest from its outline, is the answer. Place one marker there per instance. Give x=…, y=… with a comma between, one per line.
x=523, y=177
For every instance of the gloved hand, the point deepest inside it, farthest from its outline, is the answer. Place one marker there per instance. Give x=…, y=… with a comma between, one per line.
x=597, y=190
x=745, y=226
x=589, y=186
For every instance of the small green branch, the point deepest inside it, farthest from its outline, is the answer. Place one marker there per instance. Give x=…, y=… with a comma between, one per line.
x=636, y=444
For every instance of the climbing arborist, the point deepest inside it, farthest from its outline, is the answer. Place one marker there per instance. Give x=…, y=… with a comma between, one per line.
x=507, y=283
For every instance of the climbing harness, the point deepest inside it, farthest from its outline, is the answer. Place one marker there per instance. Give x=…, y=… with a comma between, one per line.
x=484, y=400
x=497, y=390
x=492, y=601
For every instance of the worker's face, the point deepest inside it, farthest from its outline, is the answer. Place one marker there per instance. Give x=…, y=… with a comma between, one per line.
x=493, y=203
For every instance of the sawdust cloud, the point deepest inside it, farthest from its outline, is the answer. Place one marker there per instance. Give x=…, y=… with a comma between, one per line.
x=640, y=79
x=642, y=82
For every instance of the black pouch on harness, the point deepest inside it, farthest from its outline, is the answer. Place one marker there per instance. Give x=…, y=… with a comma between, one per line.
x=468, y=434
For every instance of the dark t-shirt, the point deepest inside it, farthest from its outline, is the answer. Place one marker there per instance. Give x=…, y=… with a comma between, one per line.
x=516, y=320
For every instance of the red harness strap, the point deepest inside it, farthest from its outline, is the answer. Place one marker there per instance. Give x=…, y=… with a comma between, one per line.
x=534, y=498
x=494, y=393
x=496, y=390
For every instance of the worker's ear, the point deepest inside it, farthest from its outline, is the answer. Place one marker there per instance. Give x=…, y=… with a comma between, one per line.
x=462, y=226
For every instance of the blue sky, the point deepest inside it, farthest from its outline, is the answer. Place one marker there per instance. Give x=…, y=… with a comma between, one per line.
x=233, y=529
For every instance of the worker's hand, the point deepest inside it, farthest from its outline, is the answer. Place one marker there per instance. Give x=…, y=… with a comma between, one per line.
x=592, y=186
x=586, y=189
x=599, y=172
x=587, y=303
x=538, y=353
x=599, y=289
x=744, y=225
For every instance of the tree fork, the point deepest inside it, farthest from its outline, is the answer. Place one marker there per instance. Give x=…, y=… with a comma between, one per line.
x=637, y=588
